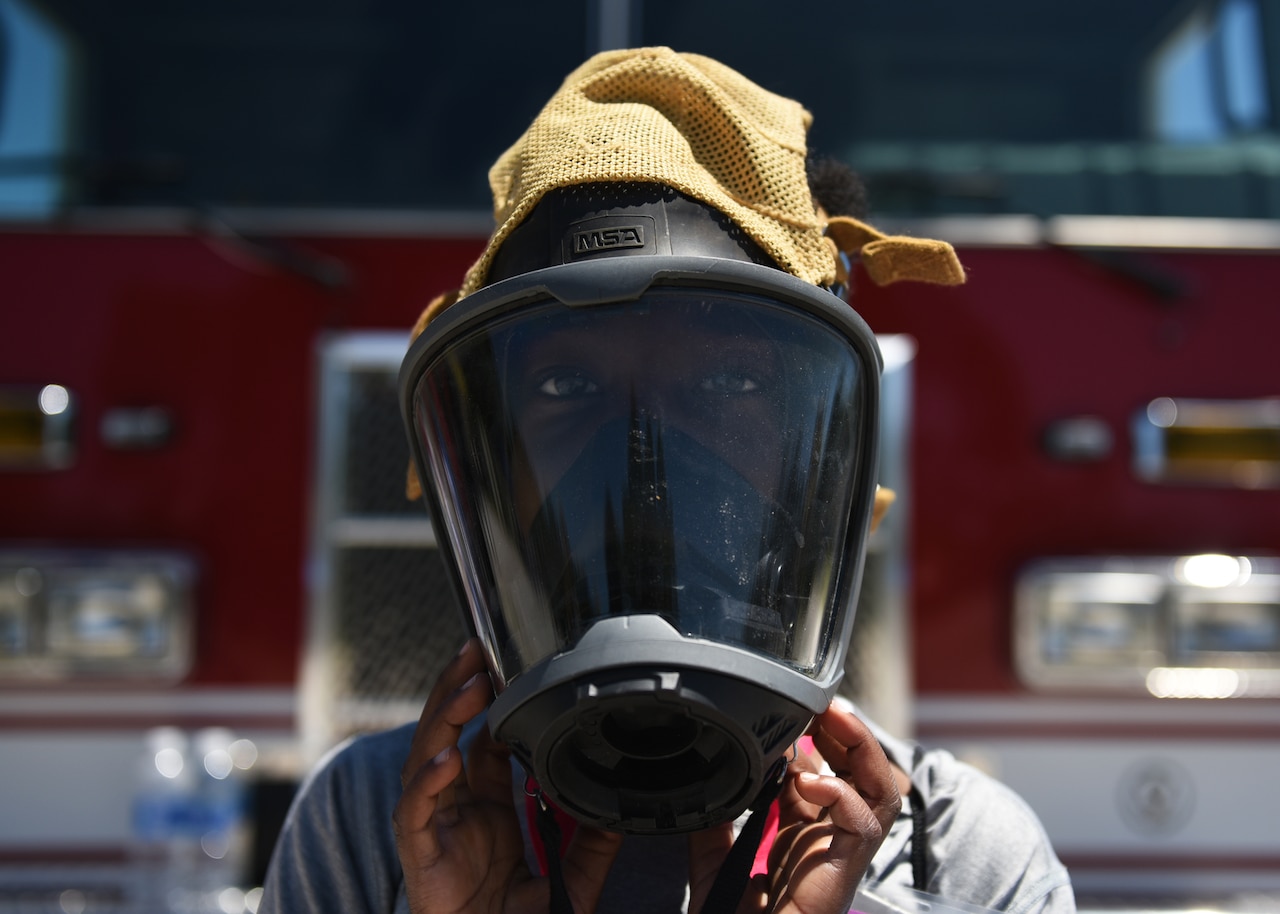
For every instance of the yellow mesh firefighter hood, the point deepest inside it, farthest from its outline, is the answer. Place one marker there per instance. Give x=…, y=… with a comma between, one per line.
x=691, y=123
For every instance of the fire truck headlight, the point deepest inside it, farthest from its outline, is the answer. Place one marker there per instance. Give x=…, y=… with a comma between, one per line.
x=1198, y=626
x=93, y=614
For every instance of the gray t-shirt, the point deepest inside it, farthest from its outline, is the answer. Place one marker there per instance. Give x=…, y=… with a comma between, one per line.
x=337, y=851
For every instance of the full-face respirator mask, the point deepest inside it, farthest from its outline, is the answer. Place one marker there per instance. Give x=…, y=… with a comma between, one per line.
x=650, y=456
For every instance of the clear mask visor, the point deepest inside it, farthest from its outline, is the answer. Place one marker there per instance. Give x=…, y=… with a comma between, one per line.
x=694, y=455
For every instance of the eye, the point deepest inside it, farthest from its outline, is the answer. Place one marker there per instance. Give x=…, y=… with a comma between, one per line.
x=729, y=381
x=565, y=383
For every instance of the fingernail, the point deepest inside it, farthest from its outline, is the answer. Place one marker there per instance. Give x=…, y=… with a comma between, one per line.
x=442, y=756
x=473, y=680
x=808, y=777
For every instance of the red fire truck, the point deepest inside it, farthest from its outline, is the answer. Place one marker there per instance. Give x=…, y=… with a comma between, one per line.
x=217, y=229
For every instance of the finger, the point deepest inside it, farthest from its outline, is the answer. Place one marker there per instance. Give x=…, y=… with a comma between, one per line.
x=819, y=865
x=414, y=816
x=441, y=731
x=450, y=706
x=795, y=813
x=457, y=696
x=466, y=662
x=457, y=710
x=846, y=809
x=792, y=807
x=856, y=757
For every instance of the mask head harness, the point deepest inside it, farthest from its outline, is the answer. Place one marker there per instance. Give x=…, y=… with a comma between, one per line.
x=596, y=221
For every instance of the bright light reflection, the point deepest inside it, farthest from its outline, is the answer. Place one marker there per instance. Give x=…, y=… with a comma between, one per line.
x=252, y=899
x=73, y=901
x=215, y=844
x=231, y=900
x=28, y=581
x=1213, y=570
x=243, y=753
x=54, y=399
x=1193, y=682
x=169, y=762
x=218, y=763
x=1162, y=412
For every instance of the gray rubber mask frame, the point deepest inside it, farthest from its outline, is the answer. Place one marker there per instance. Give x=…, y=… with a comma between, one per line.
x=649, y=479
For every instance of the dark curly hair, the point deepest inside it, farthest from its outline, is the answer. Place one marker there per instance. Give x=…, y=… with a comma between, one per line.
x=836, y=187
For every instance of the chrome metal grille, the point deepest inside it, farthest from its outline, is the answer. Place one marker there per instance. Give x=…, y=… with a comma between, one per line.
x=384, y=620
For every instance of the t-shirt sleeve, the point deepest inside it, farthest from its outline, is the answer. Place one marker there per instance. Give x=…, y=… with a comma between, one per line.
x=986, y=846
x=336, y=851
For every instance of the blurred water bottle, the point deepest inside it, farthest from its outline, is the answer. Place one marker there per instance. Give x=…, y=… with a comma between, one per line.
x=223, y=827
x=162, y=813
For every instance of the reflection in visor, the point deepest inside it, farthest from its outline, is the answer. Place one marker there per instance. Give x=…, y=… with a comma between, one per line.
x=647, y=522
x=679, y=456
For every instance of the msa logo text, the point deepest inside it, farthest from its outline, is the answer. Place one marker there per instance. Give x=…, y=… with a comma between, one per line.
x=589, y=241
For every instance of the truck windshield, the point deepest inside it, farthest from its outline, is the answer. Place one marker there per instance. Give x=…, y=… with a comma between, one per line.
x=1151, y=107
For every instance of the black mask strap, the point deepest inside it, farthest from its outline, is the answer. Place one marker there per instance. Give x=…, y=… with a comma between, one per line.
x=549, y=830
x=919, y=830
x=735, y=873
